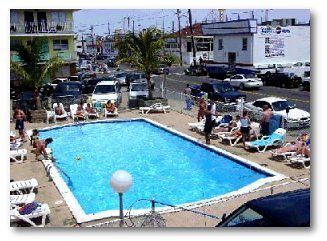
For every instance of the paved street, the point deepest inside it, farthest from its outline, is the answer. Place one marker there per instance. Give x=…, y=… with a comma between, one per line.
x=176, y=81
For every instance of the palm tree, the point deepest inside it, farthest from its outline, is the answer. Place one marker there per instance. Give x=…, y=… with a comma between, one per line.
x=144, y=51
x=33, y=70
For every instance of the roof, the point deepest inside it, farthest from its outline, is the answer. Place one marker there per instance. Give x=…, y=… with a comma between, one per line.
x=290, y=209
x=197, y=30
x=271, y=99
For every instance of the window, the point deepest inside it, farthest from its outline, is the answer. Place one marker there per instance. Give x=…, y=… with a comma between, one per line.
x=220, y=44
x=244, y=43
x=58, y=17
x=13, y=17
x=60, y=44
x=267, y=40
x=260, y=104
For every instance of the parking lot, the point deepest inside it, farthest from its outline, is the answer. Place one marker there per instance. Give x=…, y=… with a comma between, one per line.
x=177, y=81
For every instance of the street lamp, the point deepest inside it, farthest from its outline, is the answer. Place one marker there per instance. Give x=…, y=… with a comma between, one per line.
x=120, y=182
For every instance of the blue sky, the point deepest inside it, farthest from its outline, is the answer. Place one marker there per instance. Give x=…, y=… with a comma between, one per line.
x=144, y=18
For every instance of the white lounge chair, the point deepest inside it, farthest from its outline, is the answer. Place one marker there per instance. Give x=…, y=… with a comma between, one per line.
x=24, y=186
x=42, y=211
x=230, y=136
x=158, y=107
x=73, y=110
x=64, y=115
x=21, y=153
x=14, y=145
x=22, y=198
x=110, y=114
x=301, y=160
x=275, y=139
x=283, y=155
x=194, y=126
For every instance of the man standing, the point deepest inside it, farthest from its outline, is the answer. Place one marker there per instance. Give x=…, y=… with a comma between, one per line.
x=19, y=116
x=187, y=92
x=265, y=120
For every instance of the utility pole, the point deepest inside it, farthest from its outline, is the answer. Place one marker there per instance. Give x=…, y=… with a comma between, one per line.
x=108, y=28
x=128, y=20
x=180, y=37
x=133, y=28
x=173, y=27
x=192, y=37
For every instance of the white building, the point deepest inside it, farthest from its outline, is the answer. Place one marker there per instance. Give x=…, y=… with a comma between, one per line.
x=245, y=43
x=109, y=46
x=203, y=45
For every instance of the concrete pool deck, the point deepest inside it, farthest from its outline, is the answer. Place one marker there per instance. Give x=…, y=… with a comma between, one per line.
x=61, y=216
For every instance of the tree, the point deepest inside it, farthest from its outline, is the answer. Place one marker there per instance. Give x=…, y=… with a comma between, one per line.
x=144, y=51
x=32, y=69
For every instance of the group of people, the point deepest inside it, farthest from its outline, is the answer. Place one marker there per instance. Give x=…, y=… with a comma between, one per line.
x=38, y=145
x=209, y=113
x=88, y=110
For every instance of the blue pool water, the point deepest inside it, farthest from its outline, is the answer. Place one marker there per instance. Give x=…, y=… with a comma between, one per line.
x=164, y=166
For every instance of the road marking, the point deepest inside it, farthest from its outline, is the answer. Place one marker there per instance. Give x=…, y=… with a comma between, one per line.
x=254, y=93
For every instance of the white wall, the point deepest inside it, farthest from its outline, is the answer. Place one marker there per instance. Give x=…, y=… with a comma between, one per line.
x=294, y=43
x=233, y=43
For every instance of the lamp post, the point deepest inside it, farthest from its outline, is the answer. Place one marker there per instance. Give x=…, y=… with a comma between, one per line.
x=120, y=182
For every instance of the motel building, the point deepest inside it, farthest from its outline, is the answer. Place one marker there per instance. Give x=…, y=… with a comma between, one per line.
x=203, y=44
x=247, y=44
x=54, y=26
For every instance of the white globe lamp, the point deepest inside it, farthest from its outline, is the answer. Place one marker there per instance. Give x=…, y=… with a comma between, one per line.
x=120, y=182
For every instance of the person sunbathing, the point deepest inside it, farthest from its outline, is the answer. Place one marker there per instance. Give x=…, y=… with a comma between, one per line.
x=294, y=146
x=110, y=107
x=58, y=110
x=79, y=112
x=40, y=148
x=89, y=109
x=228, y=128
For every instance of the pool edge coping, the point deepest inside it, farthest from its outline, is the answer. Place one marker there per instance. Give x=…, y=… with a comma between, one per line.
x=81, y=217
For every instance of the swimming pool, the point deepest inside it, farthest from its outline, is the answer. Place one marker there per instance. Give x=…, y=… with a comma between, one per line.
x=166, y=166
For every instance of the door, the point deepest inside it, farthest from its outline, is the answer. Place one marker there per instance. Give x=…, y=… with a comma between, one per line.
x=29, y=21
x=42, y=21
x=231, y=60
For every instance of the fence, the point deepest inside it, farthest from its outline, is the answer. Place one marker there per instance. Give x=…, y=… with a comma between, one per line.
x=201, y=215
x=188, y=104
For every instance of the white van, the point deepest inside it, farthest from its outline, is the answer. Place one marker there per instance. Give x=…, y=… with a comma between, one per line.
x=107, y=90
x=138, y=90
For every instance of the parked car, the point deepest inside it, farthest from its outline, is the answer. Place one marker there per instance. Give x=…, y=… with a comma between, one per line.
x=284, y=80
x=107, y=90
x=217, y=91
x=198, y=70
x=74, y=78
x=72, y=88
x=57, y=81
x=242, y=81
x=289, y=209
x=138, y=90
x=219, y=72
x=162, y=69
x=121, y=76
x=111, y=62
x=88, y=85
x=293, y=117
x=130, y=77
x=306, y=81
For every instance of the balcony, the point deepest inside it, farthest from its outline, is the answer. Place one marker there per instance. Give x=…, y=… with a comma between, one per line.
x=15, y=57
x=42, y=28
x=67, y=56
